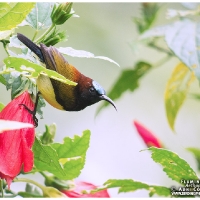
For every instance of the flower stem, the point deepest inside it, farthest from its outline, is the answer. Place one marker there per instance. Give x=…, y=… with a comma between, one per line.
x=36, y=32
x=2, y=193
x=45, y=33
x=29, y=181
x=4, y=42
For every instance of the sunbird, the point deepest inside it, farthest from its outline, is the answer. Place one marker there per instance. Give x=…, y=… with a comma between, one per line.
x=60, y=95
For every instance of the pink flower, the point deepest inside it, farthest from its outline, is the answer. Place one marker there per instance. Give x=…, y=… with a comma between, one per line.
x=80, y=186
x=15, y=145
x=147, y=136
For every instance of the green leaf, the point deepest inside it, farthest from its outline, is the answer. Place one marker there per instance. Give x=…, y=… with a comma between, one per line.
x=30, y=191
x=149, y=12
x=196, y=153
x=5, y=34
x=1, y=106
x=40, y=17
x=6, y=125
x=128, y=81
x=2, y=80
x=65, y=160
x=33, y=70
x=12, y=14
x=49, y=134
x=29, y=195
x=174, y=166
x=128, y=185
x=176, y=91
x=183, y=38
x=82, y=54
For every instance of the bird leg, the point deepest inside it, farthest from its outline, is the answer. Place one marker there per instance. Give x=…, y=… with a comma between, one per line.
x=33, y=112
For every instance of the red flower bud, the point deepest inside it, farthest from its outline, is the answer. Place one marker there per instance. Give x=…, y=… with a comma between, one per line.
x=147, y=136
x=81, y=186
x=15, y=145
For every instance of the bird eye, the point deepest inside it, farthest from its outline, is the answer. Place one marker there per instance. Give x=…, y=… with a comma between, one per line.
x=92, y=90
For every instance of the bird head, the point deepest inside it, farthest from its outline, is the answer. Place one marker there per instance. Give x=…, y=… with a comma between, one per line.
x=93, y=92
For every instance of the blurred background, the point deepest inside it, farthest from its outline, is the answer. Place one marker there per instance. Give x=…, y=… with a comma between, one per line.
x=107, y=29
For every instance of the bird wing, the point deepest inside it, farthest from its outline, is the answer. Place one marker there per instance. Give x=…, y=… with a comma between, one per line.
x=65, y=94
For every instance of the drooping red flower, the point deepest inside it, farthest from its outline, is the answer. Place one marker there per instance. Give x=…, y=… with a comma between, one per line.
x=147, y=136
x=15, y=145
x=81, y=186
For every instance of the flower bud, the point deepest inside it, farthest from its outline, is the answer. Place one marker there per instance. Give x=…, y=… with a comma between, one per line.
x=61, y=13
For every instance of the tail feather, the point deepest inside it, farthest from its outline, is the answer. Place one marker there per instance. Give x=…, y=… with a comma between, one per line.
x=32, y=46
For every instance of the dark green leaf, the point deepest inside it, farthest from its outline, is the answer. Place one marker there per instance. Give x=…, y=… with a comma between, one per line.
x=176, y=91
x=174, y=166
x=128, y=185
x=64, y=161
x=128, y=81
x=41, y=104
x=12, y=14
x=29, y=195
x=39, y=18
x=183, y=38
x=196, y=153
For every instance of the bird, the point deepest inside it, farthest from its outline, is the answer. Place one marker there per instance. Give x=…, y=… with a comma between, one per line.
x=60, y=95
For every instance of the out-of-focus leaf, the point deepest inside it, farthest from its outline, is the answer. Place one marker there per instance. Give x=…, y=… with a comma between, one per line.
x=128, y=185
x=33, y=70
x=5, y=34
x=39, y=18
x=1, y=106
x=183, y=38
x=174, y=166
x=158, y=31
x=196, y=153
x=190, y=6
x=12, y=14
x=171, y=13
x=6, y=125
x=128, y=81
x=65, y=160
x=82, y=54
x=149, y=12
x=30, y=191
x=14, y=42
x=176, y=91
x=2, y=80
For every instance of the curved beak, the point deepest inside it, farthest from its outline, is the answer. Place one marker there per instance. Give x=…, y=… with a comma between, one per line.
x=104, y=97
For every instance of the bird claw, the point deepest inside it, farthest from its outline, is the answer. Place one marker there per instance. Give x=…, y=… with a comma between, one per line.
x=32, y=113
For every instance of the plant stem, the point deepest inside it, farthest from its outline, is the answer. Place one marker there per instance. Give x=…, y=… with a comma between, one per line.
x=162, y=61
x=5, y=46
x=44, y=175
x=45, y=33
x=152, y=44
x=2, y=193
x=29, y=181
x=36, y=32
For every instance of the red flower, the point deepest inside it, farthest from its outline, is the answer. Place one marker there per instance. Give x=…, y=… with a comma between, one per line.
x=147, y=136
x=15, y=145
x=80, y=186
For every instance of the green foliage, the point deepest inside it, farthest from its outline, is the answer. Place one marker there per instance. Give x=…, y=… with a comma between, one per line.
x=174, y=166
x=1, y=106
x=128, y=185
x=39, y=18
x=5, y=34
x=49, y=134
x=128, y=81
x=30, y=191
x=65, y=160
x=149, y=12
x=196, y=153
x=33, y=70
x=13, y=14
x=176, y=91
x=2, y=80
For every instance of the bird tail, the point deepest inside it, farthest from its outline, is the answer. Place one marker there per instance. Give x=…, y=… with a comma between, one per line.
x=32, y=46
